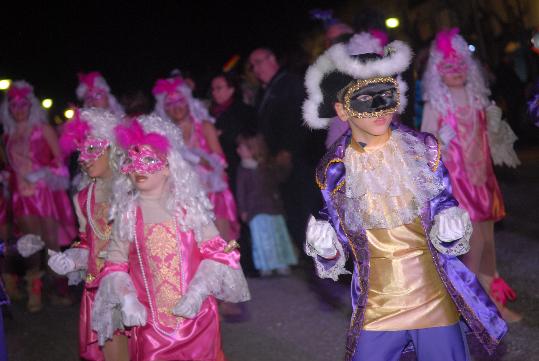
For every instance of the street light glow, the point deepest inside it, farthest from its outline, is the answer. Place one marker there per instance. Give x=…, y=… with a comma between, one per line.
x=46, y=103
x=471, y=48
x=69, y=113
x=392, y=23
x=4, y=84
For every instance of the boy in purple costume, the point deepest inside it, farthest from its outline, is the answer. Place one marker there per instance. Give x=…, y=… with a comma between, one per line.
x=388, y=203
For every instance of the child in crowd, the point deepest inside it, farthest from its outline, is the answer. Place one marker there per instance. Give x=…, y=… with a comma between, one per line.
x=38, y=182
x=174, y=101
x=472, y=136
x=388, y=203
x=166, y=264
x=91, y=134
x=260, y=206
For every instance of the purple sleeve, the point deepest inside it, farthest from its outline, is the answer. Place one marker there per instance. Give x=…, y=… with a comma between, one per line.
x=445, y=199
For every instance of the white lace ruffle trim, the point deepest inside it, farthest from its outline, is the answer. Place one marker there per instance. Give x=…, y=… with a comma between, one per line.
x=388, y=186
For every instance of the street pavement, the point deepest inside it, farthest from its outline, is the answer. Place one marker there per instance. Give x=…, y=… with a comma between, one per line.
x=298, y=318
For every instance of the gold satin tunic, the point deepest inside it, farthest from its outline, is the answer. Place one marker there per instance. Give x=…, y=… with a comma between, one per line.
x=405, y=290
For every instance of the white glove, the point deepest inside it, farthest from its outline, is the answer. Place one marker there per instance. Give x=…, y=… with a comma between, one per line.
x=189, y=305
x=190, y=157
x=494, y=116
x=215, y=279
x=451, y=231
x=60, y=263
x=321, y=237
x=446, y=134
x=133, y=312
x=37, y=175
x=452, y=225
x=29, y=244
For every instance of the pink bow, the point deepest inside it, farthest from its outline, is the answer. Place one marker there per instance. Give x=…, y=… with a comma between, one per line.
x=18, y=94
x=167, y=86
x=89, y=78
x=443, y=42
x=133, y=134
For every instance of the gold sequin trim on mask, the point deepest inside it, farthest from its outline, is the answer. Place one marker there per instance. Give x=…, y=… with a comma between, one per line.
x=362, y=83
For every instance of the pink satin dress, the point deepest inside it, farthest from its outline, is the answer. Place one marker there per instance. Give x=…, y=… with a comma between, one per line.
x=168, y=260
x=470, y=165
x=28, y=152
x=88, y=342
x=224, y=204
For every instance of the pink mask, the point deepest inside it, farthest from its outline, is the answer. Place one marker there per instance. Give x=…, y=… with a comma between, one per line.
x=174, y=99
x=17, y=104
x=18, y=97
x=143, y=160
x=452, y=65
x=95, y=94
x=92, y=148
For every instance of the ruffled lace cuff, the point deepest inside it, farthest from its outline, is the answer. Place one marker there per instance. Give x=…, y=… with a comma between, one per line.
x=221, y=281
x=329, y=268
x=455, y=247
x=106, y=311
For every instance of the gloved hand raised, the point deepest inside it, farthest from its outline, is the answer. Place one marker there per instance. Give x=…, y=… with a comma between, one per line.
x=60, y=263
x=321, y=237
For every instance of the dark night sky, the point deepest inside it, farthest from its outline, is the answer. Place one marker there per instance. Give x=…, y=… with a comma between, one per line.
x=132, y=43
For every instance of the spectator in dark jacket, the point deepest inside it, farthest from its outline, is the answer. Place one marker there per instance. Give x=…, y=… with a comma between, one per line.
x=279, y=120
x=232, y=116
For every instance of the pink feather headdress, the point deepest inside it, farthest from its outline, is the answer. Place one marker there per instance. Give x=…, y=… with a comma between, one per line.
x=88, y=79
x=74, y=134
x=133, y=134
x=168, y=86
x=17, y=94
x=444, y=43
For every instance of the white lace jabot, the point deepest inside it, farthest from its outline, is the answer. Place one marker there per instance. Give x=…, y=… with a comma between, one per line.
x=388, y=186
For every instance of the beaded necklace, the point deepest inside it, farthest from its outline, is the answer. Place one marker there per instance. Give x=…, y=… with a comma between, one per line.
x=102, y=236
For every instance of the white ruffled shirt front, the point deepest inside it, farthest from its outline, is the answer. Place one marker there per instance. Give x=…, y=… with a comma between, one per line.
x=387, y=187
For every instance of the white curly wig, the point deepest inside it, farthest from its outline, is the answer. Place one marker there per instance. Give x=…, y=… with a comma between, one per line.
x=101, y=83
x=187, y=199
x=37, y=113
x=437, y=93
x=198, y=111
x=102, y=123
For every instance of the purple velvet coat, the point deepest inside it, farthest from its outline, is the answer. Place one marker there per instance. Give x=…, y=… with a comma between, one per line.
x=472, y=302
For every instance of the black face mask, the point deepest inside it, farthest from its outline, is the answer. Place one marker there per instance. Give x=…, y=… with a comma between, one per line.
x=372, y=97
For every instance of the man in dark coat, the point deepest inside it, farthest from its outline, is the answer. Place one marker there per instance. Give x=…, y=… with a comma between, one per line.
x=279, y=119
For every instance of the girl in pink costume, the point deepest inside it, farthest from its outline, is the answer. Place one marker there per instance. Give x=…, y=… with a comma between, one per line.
x=38, y=182
x=91, y=133
x=166, y=264
x=458, y=112
x=175, y=102
x=94, y=91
